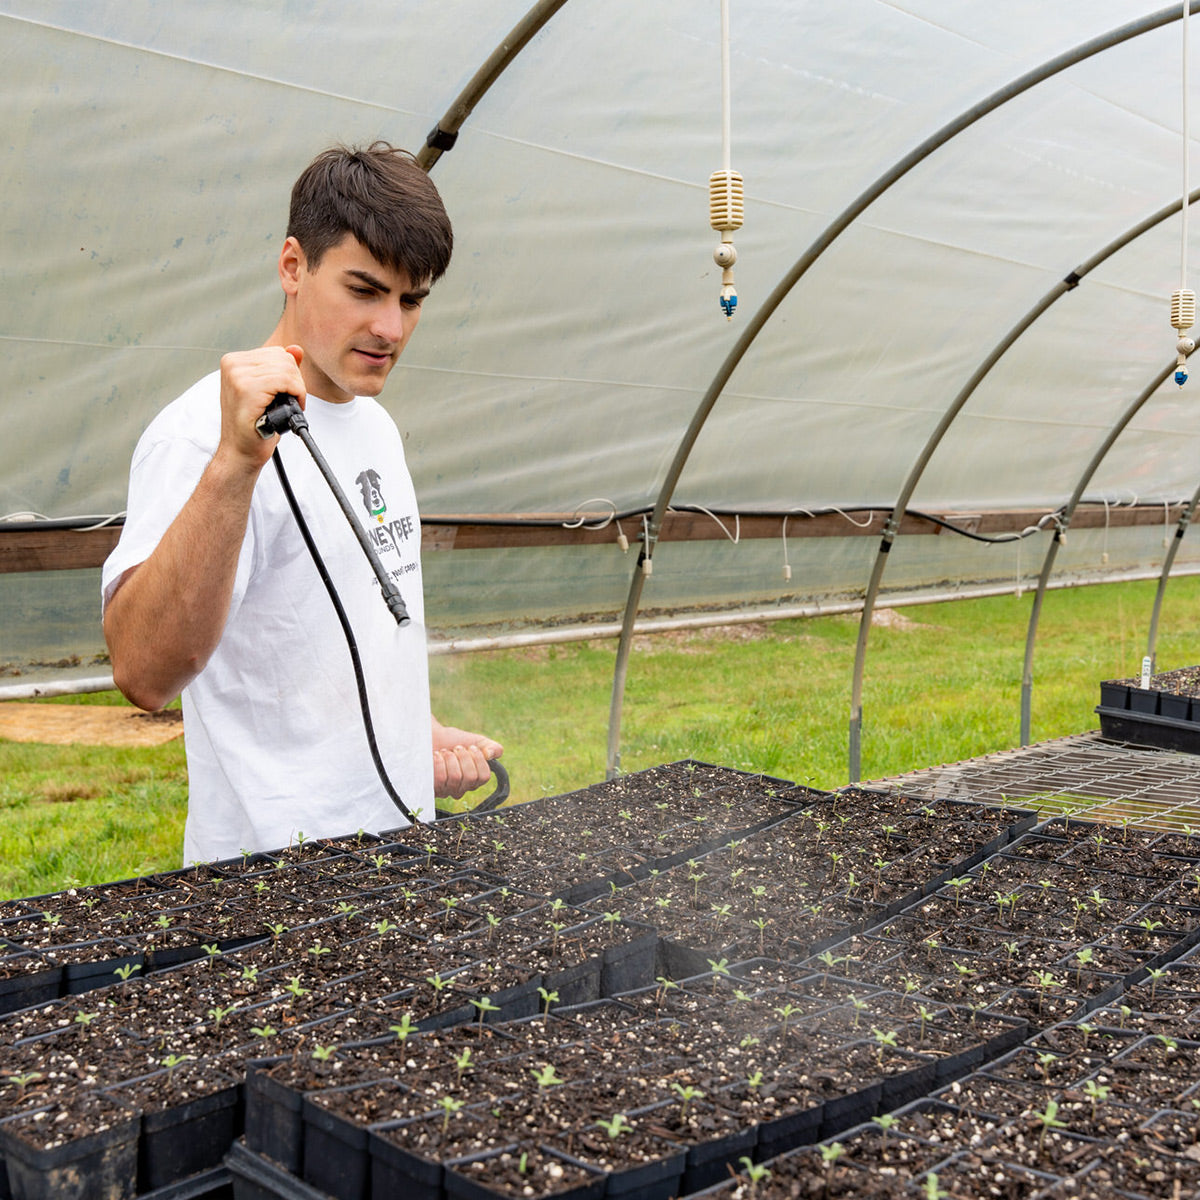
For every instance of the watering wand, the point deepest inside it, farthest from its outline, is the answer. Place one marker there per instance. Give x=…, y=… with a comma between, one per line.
x=284, y=413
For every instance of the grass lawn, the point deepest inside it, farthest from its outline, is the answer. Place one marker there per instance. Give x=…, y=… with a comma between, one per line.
x=942, y=684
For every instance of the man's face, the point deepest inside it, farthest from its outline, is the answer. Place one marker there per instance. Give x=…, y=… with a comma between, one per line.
x=352, y=315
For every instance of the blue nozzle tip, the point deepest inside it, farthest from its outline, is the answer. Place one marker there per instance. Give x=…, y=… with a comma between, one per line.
x=728, y=305
x=1181, y=377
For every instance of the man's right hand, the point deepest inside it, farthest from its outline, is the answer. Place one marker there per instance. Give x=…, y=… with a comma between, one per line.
x=250, y=380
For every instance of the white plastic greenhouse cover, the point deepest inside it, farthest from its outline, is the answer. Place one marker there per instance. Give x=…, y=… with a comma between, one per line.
x=149, y=148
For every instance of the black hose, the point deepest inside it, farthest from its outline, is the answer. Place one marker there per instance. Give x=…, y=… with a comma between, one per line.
x=359, y=678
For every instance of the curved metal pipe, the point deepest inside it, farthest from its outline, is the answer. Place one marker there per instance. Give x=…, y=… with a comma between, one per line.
x=1185, y=520
x=935, y=438
x=444, y=134
x=831, y=233
x=1060, y=532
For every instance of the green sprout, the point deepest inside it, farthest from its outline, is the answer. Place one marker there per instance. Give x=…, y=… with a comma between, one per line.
x=615, y=1125
x=404, y=1028
x=484, y=1006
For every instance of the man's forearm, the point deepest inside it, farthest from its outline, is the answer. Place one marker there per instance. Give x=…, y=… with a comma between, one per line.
x=168, y=614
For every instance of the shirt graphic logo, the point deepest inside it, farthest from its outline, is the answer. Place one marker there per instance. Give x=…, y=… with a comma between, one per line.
x=372, y=497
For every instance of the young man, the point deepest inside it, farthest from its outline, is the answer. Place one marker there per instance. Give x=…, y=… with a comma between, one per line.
x=211, y=589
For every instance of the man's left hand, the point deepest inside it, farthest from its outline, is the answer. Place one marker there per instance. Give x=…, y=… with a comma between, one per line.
x=460, y=760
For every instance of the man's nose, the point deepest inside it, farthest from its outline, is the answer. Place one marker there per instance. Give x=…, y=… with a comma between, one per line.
x=388, y=325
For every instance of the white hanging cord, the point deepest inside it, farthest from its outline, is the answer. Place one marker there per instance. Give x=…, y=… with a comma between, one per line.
x=787, y=566
x=857, y=524
x=1104, y=547
x=1183, y=300
x=579, y=519
x=1019, y=588
x=725, y=192
x=734, y=537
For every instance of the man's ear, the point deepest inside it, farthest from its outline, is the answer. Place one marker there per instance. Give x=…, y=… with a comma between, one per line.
x=292, y=264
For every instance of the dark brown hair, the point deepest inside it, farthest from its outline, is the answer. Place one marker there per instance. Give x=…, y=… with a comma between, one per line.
x=382, y=197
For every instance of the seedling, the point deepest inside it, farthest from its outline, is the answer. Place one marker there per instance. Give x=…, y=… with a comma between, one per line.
x=932, y=1190
x=296, y=989
x=1083, y=958
x=347, y=909
x=548, y=998
x=317, y=950
x=85, y=1018
x=127, y=970
x=24, y=1080
x=829, y=961
x=383, y=925
x=924, y=1015
x=449, y=1107
x=1045, y=981
x=404, y=1028
x=755, y=1172
x=1049, y=1120
x=686, y=1094
x=829, y=1156
x=884, y=1040
x=720, y=969
x=860, y=1006
x=263, y=1031
x=172, y=1061
x=761, y=923
x=250, y=973
x=1097, y=1093
x=1045, y=1059
x=218, y=1014
x=484, y=1006
x=884, y=1122
x=785, y=1012
x=545, y=1077
x=463, y=1062
x=615, y=1125
x=612, y=918
x=322, y=1053
x=1155, y=974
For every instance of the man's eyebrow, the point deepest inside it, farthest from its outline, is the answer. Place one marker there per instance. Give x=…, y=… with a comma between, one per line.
x=379, y=285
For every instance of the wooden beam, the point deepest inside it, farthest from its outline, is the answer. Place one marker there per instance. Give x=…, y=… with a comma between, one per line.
x=71, y=549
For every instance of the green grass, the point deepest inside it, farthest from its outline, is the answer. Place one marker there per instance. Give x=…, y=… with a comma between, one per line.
x=942, y=687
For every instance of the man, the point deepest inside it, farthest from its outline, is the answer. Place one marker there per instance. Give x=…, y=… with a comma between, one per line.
x=211, y=589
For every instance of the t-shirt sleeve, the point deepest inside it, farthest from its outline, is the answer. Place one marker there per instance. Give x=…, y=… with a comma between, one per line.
x=163, y=476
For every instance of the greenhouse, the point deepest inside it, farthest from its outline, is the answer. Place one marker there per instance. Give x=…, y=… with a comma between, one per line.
x=757, y=311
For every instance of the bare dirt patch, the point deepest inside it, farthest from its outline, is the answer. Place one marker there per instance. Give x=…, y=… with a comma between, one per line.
x=890, y=618
x=87, y=725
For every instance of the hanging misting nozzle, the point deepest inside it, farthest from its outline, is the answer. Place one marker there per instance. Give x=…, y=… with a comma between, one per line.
x=1183, y=317
x=725, y=209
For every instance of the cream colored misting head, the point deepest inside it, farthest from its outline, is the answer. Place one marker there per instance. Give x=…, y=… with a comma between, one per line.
x=725, y=211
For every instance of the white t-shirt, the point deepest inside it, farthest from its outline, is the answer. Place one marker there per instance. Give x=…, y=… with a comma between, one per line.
x=273, y=726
